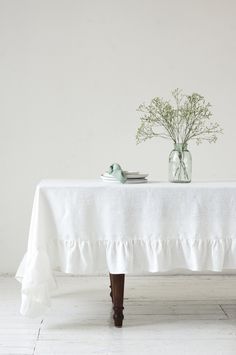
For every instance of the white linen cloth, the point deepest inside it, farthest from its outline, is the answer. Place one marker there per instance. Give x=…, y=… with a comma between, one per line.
x=93, y=227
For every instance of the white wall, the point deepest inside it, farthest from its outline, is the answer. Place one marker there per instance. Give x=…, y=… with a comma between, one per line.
x=73, y=72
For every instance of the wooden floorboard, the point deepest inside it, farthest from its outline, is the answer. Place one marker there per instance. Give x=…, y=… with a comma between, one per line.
x=180, y=315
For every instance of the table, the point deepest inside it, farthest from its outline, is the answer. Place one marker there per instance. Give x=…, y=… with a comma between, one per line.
x=84, y=227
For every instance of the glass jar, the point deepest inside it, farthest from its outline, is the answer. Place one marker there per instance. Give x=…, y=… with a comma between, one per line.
x=180, y=164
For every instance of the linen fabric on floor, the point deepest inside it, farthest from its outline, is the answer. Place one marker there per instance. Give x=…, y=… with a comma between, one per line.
x=95, y=227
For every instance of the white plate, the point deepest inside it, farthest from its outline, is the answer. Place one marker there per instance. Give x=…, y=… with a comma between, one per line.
x=112, y=181
x=136, y=181
x=128, y=174
x=128, y=181
x=136, y=176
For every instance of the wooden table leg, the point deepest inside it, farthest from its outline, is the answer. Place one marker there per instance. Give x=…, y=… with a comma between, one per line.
x=111, y=286
x=117, y=284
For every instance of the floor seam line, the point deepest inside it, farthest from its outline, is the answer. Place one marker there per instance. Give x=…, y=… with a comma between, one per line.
x=38, y=334
x=225, y=313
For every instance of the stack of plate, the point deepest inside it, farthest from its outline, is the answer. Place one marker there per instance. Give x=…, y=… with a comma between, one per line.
x=133, y=177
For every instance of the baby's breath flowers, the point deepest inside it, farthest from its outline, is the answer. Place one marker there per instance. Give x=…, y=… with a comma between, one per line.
x=188, y=119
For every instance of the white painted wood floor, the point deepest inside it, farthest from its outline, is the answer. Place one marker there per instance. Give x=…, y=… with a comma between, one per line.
x=180, y=315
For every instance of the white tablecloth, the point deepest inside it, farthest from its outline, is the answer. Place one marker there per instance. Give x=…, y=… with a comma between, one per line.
x=95, y=227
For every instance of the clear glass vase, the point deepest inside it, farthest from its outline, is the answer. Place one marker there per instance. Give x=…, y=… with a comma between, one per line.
x=180, y=164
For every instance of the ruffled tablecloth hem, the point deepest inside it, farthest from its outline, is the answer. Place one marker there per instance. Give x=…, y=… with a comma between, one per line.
x=134, y=256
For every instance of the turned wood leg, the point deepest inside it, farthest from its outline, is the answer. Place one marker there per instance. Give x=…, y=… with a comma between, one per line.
x=111, y=286
x=117, y=283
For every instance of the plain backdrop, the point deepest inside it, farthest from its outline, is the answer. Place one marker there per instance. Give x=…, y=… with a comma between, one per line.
x=72, y=74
